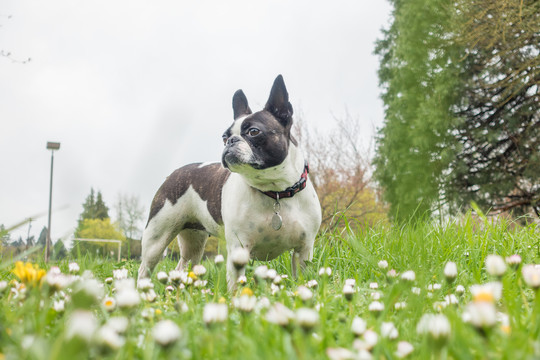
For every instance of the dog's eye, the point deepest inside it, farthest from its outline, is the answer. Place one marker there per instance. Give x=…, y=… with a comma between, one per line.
x=225, y=138
x=254, y=132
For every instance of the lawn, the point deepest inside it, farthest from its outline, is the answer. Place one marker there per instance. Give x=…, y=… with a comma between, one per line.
x=383, y=293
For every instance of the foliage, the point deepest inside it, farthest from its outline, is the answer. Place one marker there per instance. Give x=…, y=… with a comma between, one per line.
x=37, y=323
x=42, y=240
x=420, y=75
x=97, y=229
x=59, y=250
x=94, y=207
x=340, y=170
x=460, y=87
x=4, y=236
x=498, y=163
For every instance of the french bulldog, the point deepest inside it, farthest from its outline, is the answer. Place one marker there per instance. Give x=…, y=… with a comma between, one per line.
x=259, y=197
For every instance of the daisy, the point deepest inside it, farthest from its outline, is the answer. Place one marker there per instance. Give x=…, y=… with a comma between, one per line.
x=531, y=276
x=162, y=277
x=166, y=333
x=240, y=257
x=495, y=265
x=437, y=326
x=215, y=313
x=358, y=326
x=404, y=348
x=109, y=304
x=279, y=314
x=450, y=271
x=219, y=259
x=307, y=318
x=81, y=324
x=408, y=276
x=74, y=268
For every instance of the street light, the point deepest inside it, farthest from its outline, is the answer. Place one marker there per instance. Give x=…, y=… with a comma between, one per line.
x=50, y=146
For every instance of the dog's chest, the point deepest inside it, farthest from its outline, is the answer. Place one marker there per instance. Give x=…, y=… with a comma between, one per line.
x=248, y=220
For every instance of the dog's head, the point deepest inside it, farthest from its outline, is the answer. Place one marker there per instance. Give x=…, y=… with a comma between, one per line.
x=260, y=140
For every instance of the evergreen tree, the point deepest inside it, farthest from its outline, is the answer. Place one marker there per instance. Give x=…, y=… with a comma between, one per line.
x=93, y=208
x=42, y=240
x=4, y=235
x=101, y=210
x=59, y=250
x=419, y=74
x=460, y=84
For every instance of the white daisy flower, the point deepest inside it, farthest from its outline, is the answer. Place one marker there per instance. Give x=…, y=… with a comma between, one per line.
x=215, y=313
x=495, y=265
x=307, y=318
x=166, y=333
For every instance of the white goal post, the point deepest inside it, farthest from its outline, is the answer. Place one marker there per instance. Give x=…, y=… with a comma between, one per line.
x=119, y=242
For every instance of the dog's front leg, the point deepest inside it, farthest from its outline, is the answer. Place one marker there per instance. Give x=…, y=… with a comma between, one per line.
x=237, y=259
x=299, y=258
x=233, y=274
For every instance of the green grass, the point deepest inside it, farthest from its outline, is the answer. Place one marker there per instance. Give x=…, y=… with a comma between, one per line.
x=31, y=329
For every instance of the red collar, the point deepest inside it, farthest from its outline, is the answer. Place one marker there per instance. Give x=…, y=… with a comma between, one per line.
x=290, y=191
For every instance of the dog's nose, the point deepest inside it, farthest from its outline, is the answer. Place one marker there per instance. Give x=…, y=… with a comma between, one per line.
x=233, y=139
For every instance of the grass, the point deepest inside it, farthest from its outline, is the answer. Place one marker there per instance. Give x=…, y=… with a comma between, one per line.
x=31, y=329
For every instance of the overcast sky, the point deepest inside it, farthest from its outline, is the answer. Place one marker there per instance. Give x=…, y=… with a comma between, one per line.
x=135, y=89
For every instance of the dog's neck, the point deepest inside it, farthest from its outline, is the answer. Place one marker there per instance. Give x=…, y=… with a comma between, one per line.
x=280, y=177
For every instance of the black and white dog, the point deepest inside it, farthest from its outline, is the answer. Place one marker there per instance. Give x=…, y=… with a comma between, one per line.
x=260, y=197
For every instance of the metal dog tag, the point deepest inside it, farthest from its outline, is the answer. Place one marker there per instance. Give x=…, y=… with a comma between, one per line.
x=276, y=221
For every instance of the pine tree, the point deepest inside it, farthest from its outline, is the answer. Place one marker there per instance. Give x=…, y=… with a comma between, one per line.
x=42, y=240
x=419, y=74
x=93, y=208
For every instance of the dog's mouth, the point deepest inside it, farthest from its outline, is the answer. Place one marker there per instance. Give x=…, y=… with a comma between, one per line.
x=234, y=158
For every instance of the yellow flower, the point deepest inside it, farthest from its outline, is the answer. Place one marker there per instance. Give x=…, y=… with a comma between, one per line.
x=158, y=311
x=246, y=291
x=29, y=274
x=483, y=297
x=192, y=275
x=222, y=300
x=506, y=329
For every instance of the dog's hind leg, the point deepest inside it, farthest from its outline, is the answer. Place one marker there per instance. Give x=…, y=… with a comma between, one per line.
x=191, y=243
x=153, y=246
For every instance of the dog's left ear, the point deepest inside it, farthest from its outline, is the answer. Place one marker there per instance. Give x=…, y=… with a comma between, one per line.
x=278, y=103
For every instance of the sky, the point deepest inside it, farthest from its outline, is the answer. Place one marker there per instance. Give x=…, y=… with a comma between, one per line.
x=135, y=89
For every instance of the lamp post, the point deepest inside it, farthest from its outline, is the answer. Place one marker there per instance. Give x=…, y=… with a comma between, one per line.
x=50, y=146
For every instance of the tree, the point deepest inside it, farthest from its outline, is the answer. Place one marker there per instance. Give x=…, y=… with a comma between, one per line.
x=460, y=87
x=42, y=240
x=420, y=76
x=130, y=215
x=97, y=229
x=93, y=208
x=498, y=163
x=59, y=250
x=4, y=235
x=340, y=170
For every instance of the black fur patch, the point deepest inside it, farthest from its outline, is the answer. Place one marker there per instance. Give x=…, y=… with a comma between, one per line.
x=207, y=181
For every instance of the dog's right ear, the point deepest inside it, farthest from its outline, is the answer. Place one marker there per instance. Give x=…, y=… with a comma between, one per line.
x=240, y=104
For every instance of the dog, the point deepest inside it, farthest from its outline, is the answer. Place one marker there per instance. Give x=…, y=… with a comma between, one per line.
x=259, y=197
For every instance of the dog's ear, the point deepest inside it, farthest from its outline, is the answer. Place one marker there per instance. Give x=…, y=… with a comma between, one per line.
x=278, y=103
x=240, y=104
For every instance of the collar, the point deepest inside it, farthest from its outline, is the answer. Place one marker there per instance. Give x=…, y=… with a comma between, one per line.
x=292, y=190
